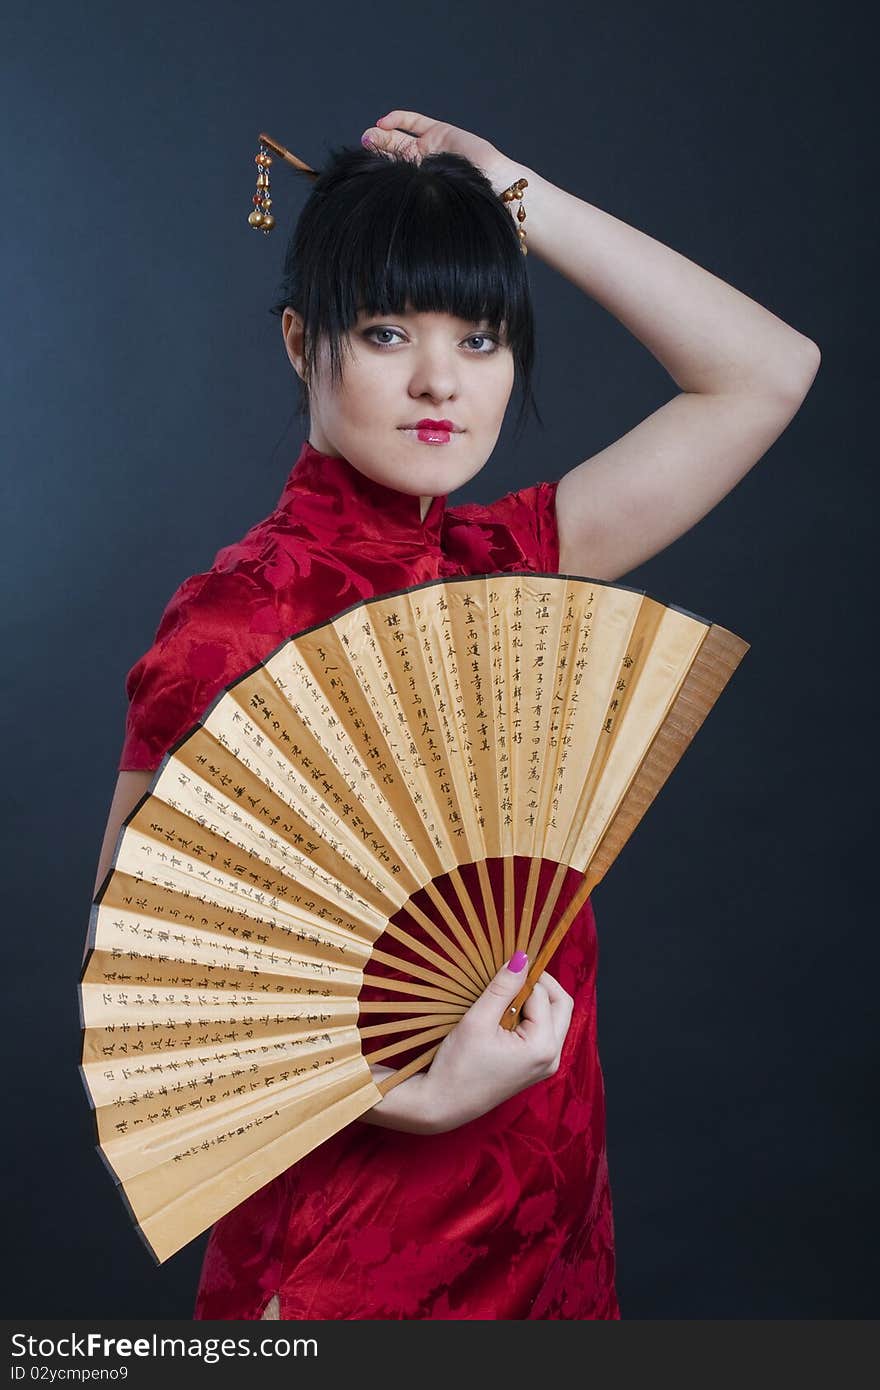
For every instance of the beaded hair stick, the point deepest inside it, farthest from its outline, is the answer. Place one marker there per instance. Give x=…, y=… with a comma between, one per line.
x=261, y=218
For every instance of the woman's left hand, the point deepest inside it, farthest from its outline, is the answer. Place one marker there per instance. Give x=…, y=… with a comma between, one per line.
x=415, y=135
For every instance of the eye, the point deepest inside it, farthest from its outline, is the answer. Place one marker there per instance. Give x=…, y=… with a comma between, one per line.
x=379, y=329
x=486, y=338
x=490, y=338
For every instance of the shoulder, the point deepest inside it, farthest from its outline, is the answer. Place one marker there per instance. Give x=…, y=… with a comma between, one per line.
x=238, y=588
x=234, y=594
x=217, y=624
x=517, y=530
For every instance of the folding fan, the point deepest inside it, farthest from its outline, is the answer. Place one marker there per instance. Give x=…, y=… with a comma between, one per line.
x=300, y=864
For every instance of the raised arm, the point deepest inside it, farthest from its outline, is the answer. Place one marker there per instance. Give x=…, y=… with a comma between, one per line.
x=742, y=373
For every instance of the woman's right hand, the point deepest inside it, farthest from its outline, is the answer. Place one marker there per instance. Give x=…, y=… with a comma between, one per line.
x=413, y=135
x=479, y=1064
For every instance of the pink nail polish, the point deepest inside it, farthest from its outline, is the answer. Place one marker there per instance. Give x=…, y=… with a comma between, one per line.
x=366, y=141
x=517, y=961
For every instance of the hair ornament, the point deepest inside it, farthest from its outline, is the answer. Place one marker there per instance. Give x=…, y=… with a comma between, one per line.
x=261, y=218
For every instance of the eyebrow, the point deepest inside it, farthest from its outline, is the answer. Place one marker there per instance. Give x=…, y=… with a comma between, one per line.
x=415, y=314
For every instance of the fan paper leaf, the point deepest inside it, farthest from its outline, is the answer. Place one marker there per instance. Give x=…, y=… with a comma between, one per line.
x=320, y=876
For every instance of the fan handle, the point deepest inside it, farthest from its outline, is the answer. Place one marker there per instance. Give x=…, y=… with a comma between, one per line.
x=511, y=1016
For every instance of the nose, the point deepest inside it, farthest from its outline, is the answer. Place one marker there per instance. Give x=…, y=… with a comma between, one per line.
x=435, y=375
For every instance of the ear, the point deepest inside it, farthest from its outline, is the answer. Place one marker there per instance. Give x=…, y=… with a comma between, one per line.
x=292, y=329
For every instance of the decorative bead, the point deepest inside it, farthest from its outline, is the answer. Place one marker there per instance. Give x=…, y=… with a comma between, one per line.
x=261, y=218
x=515, y=191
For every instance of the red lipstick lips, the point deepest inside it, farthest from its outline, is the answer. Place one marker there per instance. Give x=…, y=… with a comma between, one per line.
x=448, y=425
x=434, y=431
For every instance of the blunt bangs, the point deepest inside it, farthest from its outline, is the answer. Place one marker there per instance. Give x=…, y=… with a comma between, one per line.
x=383, y=234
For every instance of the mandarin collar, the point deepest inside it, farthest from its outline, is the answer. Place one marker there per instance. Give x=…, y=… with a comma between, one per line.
x=330, y=487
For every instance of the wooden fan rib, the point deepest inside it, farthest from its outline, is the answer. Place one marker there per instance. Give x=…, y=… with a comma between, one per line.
x=491, y=911
x=468, y=946
x=387, y=1083
x=421, y=972
x=540, y=961
x=384, y=982
x=383, y=1006
x=476, y=927
x=509, y=908
x=456, y=964
x=527, y=911
x=548, y=907
x=383, y=1030
x=404, y=1044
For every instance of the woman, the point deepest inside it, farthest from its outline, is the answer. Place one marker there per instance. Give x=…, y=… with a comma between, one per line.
x=478, y=1188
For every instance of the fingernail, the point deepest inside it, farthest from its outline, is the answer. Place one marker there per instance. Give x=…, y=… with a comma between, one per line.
x=517, y=961
x=365, y=140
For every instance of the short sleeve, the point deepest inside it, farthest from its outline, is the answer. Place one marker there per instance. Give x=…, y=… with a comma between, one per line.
x=215, y=627
x=518, y=531
x=530, y=516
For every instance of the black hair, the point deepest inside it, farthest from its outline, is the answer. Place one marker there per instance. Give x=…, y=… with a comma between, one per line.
x=383, y=233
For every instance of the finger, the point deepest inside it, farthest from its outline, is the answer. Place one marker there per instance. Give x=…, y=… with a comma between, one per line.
x=384, y=139
x=489, y=1008
x=393, y=142
x=560, y=1004
x=412, y=121
x=535, y=1016
x=555, y=991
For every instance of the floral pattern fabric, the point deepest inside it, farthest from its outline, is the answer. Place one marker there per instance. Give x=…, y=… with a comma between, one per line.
x=509, y=1216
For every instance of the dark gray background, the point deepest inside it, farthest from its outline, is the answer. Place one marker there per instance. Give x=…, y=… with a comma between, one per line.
x=149, y=420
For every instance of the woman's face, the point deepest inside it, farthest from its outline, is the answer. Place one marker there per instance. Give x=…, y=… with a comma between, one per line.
x=404, y=368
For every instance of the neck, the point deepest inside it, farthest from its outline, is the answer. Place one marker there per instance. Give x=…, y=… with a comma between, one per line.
x=426, y=502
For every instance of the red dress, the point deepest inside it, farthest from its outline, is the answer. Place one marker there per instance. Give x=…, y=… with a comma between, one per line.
x=508, y=1216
